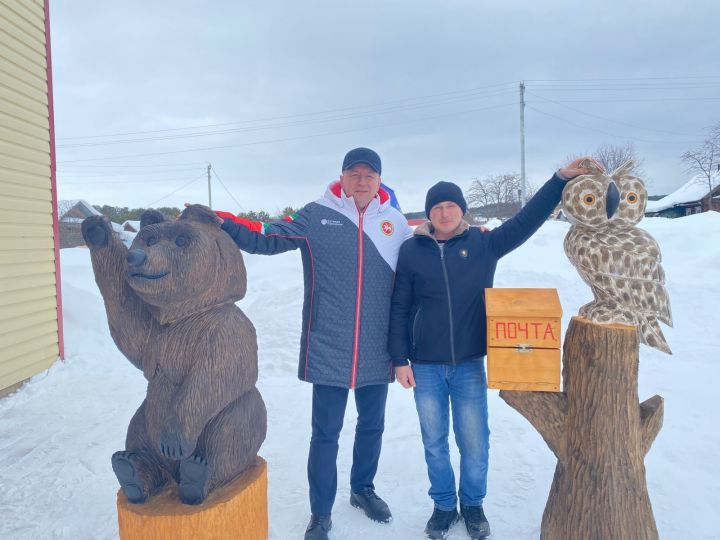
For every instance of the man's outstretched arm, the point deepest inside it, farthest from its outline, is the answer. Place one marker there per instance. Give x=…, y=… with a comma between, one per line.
x=265, y=238
x=516, y=230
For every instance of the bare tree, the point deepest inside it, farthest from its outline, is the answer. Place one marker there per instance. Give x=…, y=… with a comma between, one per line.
x=479, y=193
x=611, y=157
x=704, y=161
x=63, y=207
x=500, y=192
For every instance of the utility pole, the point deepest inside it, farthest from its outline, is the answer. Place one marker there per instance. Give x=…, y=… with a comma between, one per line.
x=522, y=144
x=209, y=187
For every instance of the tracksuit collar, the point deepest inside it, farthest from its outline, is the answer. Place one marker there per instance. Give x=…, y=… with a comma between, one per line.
x=335, y=193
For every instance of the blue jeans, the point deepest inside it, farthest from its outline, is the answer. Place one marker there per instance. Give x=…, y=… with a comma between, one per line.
x=464, y=386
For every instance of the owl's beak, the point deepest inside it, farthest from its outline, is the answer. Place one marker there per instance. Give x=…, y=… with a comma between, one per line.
x=612, y=200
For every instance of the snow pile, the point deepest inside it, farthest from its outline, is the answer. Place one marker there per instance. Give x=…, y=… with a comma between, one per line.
x=58, y=432
x=492, y=223
x=694, y=190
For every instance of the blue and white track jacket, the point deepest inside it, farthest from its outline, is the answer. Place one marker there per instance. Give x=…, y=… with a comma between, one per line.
x=349, y=260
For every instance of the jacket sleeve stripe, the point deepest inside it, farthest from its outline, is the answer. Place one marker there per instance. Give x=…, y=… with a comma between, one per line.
x=254, y=226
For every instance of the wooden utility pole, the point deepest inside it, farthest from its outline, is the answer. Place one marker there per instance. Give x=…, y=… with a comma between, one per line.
x=600, y=434
x=522, y=145
x=209, y=168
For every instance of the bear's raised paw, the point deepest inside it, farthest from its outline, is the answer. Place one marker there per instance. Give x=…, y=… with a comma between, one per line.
x=96, y=231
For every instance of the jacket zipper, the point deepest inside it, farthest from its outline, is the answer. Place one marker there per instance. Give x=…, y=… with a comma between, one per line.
x=358, y=300
x=414, y=327
x=447, y=289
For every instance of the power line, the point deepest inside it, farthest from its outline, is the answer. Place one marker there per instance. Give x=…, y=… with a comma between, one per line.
x=366, y=114
x=555, y=88
x=286, y=117
x=174, y=192
x=98, y=176
x=678, y=82
x=558, y=82
x=149, y=165
x=100, y=184
x=285, y=139
x=240, y=206
x=629, y=78
x=638, y=100
x=605, y=132
x=605, y=118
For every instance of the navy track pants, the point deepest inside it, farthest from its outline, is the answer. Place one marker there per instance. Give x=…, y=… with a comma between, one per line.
x=328, y=411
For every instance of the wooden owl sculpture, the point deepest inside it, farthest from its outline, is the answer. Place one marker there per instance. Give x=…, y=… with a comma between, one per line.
x=619, y=261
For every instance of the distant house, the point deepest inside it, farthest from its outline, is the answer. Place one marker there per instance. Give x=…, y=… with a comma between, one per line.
x=75, y=208
x=31, y=334
x=131, y=226
x=692, y=198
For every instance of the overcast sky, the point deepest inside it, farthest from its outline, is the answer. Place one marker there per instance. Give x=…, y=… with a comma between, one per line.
x=273, y=93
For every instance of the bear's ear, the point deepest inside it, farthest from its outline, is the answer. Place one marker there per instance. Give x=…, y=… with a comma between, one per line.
x=151, y=217
x=203, y=214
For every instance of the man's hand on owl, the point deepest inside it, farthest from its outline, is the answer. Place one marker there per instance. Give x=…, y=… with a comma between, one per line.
x=579, y=166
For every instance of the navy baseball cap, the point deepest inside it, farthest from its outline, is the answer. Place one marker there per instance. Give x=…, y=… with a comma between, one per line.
x=362, y=155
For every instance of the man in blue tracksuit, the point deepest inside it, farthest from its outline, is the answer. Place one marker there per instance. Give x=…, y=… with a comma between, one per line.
x=438, y=324
x=349, y=240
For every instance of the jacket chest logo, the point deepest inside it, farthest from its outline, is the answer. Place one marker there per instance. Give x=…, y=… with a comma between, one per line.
x=387, y=228
x=331, y=222
x=463, y=253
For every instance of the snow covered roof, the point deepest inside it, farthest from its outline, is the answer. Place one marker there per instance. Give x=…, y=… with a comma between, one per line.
x=135, y=224
x=82, y=206
x=694, y=190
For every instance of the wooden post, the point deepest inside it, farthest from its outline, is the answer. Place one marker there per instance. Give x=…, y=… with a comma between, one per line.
x=600, y=435
x=236, y=511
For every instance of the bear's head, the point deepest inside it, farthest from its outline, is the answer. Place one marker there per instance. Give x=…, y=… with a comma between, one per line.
x=185, y=266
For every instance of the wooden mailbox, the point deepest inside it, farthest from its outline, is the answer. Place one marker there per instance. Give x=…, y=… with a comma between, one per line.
x=523, y=338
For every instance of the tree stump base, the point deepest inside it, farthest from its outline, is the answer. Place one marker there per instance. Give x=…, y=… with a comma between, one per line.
x=600, y=434
x=235, y=511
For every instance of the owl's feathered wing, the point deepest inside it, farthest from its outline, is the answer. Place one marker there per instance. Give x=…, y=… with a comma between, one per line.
x=622, y=265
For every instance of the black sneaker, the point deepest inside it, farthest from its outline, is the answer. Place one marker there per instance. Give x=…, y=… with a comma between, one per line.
x=318, y=528
x=475, y=521
x=373, y=506
x=440, y=522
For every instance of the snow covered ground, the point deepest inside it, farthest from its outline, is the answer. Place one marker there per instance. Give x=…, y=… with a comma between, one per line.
x=58, y=431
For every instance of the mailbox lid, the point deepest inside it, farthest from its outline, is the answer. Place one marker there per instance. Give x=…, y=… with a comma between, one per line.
x=512, y=303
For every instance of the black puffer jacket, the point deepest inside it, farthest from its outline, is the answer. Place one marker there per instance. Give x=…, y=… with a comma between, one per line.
x=438, y=305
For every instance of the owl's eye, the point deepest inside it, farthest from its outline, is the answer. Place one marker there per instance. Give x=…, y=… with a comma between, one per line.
x=180, y=241
x=589, y=199
x=151, y=240
x=631, y=197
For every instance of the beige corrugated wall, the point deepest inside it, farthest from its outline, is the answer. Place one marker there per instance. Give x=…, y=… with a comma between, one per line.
x=28, y=310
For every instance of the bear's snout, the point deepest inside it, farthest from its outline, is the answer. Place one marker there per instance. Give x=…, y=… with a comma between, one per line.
x=136, y=257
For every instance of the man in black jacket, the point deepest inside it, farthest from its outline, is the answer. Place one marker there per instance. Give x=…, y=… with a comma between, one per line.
x=437, y=323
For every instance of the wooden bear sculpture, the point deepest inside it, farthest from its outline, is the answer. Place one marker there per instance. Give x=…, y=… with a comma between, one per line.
x=170, y=303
